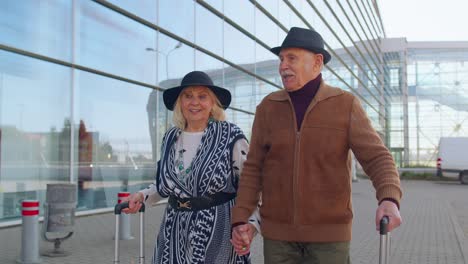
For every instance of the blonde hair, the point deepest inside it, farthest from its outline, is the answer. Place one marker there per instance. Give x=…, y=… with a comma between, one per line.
x=217, y=112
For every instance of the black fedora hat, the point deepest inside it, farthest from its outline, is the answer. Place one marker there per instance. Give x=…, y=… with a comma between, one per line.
x=304, y=38
x=196, y=78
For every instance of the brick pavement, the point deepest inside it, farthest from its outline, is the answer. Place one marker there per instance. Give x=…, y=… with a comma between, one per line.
x=429, y=232
x=435, y=230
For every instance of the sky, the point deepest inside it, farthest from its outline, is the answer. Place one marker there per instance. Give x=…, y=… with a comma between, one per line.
x=425, y=20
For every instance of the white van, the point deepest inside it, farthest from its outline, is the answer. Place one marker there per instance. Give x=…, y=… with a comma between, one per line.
x=453, y=158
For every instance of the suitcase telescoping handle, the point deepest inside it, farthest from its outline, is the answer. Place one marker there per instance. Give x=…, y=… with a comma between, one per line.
x=118, y=211
x=384, y=240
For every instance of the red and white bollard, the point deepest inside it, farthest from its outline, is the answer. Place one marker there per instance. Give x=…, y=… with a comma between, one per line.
x=30, y=233
x=124, y=228
x=439, y=167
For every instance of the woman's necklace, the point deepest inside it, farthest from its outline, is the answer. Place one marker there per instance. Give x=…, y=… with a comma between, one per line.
x=179, y=162
x=183, y=172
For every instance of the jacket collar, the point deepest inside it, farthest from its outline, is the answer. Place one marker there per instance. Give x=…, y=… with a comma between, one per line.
x=325, y=91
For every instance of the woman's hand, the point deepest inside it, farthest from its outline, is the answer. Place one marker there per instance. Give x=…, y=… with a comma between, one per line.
x=242, y=236
x=134, y=202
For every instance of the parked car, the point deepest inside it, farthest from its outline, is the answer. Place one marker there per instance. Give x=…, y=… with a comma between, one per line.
x=452, y=159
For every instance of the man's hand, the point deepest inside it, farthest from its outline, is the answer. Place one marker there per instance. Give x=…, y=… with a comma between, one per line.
x=390, y=209
x=242, y=236
x=134, y=203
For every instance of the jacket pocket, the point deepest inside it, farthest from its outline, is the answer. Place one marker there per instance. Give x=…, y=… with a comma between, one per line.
x=277, y=199
x=327, y=206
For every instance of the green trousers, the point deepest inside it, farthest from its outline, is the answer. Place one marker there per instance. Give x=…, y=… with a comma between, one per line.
x=285, y=252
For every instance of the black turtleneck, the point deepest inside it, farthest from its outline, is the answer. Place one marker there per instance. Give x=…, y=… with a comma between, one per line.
x=301, y=98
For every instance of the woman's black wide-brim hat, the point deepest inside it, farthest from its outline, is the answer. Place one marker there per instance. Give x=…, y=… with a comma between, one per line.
x=304, y=38
x=196, y=78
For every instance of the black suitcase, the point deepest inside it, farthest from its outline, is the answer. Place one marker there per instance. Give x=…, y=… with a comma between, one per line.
x=384, y=250
x=117, y=211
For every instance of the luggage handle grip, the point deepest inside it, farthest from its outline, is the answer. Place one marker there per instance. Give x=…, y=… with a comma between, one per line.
x=118, y=211
x=384, y=225
x=119, y=207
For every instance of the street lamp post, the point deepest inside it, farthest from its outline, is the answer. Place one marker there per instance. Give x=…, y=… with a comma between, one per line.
x=179, y=44
x=166, y=55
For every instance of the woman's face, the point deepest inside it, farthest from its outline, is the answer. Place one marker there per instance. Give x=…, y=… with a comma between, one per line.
x=196, y=103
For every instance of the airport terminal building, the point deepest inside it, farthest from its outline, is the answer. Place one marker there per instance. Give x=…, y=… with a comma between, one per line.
x=81, y=83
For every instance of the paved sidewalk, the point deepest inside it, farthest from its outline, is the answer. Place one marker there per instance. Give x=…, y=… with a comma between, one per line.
x=435, y=230
x=431, y=231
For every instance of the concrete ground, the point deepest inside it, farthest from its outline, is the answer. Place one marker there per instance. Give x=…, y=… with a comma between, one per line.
x=435, y=230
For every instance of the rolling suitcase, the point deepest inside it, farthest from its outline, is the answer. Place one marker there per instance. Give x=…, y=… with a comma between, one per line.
x=384, y=250
x=117, y=211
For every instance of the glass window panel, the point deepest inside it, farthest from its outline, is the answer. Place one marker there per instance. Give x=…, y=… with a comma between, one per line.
x=267, y=65
x=149, y=72
x=241, y=12
x=34, y=129
x=216, y=4
x=363, y=30
x=359, y=19
x=110, y=42
x=335, y=26
x=155, y=128
x=146, y=9
x=238, y=48
x=284, y=13
x=116, y=152
x=242, y=87
x=210, y=65
x=340, y=13
x=159, y=121
x=242, y=120
x=288, y=18
x=269, y=5
x=175, y=59
x=42, y=27
x=322, y=28
x=263, y=89
x=178, y=17
x=306, y=10
x=367, y=17
x=211, y=39
x=267, y=31
x=356, y=23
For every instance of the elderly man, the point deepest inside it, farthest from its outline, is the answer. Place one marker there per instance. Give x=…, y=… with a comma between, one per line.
x=299, y=161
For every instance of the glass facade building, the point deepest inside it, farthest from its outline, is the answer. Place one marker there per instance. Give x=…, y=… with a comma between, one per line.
x=81, y=82
x=433, y=77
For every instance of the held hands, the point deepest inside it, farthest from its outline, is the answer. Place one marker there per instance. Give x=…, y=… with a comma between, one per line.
x=134, y=203
x=389, y=209
x=242, y=236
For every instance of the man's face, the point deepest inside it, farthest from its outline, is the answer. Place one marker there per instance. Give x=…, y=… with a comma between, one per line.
x=298, y=67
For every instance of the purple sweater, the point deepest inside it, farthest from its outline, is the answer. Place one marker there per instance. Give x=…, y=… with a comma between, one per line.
x=301, y=98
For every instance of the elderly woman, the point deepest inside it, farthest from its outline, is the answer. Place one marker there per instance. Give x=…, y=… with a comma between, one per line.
x=201, y=160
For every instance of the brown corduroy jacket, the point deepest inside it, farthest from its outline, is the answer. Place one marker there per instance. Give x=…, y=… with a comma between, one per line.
x=304, y=176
